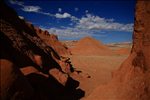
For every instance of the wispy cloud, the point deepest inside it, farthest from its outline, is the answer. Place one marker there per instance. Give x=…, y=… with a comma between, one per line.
x=16, y=2
x=89, y=25
x=68, y=32
x=86, y=11
x=25, y=7
x=91, y=22
x=59, y=10
x=76, y=9
x=37, y=9
x=21, y=17
x=71, y=32
x=64, y=15
x=86, y=25
x=31, y=8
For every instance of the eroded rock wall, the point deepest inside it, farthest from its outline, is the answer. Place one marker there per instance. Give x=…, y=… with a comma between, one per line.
x=30, y=68
x=132, y=80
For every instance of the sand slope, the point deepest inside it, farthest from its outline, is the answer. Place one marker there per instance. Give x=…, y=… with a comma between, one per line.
x=90, y=46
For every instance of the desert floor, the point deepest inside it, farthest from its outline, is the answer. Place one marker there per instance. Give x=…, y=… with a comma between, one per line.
x=95, y=70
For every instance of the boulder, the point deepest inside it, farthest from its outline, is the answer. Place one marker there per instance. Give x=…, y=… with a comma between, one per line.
x=13, y=84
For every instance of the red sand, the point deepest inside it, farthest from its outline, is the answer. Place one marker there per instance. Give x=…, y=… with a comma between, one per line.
x=90, y=46
x=123, y=51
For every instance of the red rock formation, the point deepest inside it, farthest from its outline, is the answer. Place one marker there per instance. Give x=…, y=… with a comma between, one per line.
x=132, y=80
x=52, y=40
x=21, y=48
x=90, y=46
x=13, y=84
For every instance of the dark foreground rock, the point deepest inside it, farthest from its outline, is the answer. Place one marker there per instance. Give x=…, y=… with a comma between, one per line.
x=30, y=68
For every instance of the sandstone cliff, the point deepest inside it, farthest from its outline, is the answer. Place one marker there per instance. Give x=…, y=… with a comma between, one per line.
x=132, y=80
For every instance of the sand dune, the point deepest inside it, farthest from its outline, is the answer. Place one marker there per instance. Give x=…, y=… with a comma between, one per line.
x=90, y=46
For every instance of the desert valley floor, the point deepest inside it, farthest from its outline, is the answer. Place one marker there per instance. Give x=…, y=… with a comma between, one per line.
x=36, y=65
x=97, y=69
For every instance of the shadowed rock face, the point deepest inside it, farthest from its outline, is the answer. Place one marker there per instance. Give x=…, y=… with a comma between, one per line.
x=22, y=50
x=132, y=80
x=13, y=84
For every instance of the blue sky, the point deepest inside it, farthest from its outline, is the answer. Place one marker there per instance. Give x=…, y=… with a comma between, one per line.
x=106, y=20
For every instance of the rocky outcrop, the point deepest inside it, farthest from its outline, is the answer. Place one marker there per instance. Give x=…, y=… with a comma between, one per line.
x=90, y=46
x=13, y=84
x=52, y=40
x=132, y=80
x=29, y=66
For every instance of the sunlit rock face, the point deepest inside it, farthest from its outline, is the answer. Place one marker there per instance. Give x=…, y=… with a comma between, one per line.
x=132, y=80
x=52, y=40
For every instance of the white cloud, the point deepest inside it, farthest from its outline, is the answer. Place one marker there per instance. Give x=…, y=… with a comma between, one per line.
x=64, y=15
x=88, y=26
x=67, y=32
x=38, y=9
x=45, y=13
x=79, y=27
x=21, y=17
x=74, y=19
x=59, y=10
x=76, y=9
x=91, y=22
x=16, y=2
x=25, y=7
x=71, y=24
x=86, y=11
x=31, y=8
